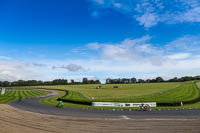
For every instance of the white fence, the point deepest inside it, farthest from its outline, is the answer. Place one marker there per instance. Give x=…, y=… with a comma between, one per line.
x=115, y=104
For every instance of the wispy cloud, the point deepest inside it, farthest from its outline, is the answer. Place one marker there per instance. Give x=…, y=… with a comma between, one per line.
x=179, y=56
x=5, y=58
x=148, y=19
x=71, y=68
x=38, y=65
x=13, y=70
x=149, y=13
x=191, y=15
x=93, y=46
x=187, y=43
x=137, y=57
x=134, y=50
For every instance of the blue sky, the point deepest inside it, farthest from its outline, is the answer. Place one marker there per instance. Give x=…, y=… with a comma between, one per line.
x=98, y=39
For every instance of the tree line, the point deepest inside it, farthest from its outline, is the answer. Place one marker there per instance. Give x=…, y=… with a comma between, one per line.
x=156, y=80
x=87, y=81
x=54, y=82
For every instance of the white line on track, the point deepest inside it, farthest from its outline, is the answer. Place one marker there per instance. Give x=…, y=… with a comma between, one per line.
x=124, y=117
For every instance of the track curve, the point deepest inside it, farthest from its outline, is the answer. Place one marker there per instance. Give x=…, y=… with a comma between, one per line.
x=34, y=105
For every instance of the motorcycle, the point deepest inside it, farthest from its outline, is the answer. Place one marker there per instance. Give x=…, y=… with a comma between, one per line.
x=60, y=104
x=145, y=107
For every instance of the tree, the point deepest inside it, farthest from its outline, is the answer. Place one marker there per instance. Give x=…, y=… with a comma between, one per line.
x=148, y=81
x=85, y=81
x=123, y=81
x=116, y=81
x=159, y=79
x=108, y=81
x=197, y=77
x=6, y=83
x=72, y=81
x=133, y=80
x=175, y=79
x=97, y=82
x=141, y=81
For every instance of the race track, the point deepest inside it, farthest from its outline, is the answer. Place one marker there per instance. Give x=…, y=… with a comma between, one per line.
x=31, y=116
x=34, y=105
x=14, y=120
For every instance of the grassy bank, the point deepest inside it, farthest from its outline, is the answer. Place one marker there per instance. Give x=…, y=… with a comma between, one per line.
x=15, y=94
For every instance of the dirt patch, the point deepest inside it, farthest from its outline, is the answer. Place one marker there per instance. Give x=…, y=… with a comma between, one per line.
x=13, y=120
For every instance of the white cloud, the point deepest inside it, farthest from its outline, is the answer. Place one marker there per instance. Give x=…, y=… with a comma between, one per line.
x=5, y=58
x=71, y=67
x=37, y=65
x=156, y=60
x=105, y=68
x=117, y=52
x=148, y=19
x=134, y=57
x=12, y=70
x=133, y=50
x=140, y=57
x=192, y=15
x=189, y=43
x=179, y=56
x=93, y=46
x=130, y=57
x=143, y=11
x=151, y=12
x=190, y=3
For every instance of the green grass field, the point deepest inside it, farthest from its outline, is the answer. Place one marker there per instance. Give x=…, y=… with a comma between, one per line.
x=147, y=92
x=187, y=91
x=108, y=92
x=15, y=94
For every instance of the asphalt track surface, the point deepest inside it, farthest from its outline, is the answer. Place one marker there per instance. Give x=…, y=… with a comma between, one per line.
x=34, y=105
